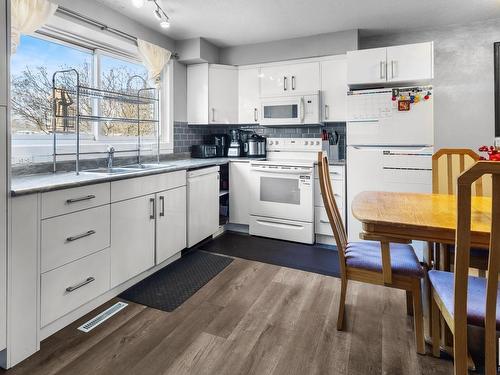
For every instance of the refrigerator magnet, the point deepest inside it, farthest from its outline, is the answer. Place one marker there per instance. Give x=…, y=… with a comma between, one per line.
x=404, y=105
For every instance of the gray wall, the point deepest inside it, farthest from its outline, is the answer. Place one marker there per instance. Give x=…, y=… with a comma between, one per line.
x=180, y=91
x=197, y=50
x=117, y=20
x=464, y=86
x=288, y=49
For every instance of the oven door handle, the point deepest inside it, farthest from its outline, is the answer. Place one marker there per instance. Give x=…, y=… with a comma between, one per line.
x=282, y=171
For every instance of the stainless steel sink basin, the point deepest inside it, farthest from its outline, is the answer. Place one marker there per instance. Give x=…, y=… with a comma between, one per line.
x=114, y=170
x=147, y=166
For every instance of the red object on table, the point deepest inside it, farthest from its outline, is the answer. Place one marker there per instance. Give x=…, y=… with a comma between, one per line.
x=493, y=153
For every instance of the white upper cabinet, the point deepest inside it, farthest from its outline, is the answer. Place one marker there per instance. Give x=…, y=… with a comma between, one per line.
x=248, y=95
x=197, y=94
x=289, y=79
x=212, y=94
x=223, y=94
x=406, y=63
x=367, y=66
x=334, y=89
x=411, y=62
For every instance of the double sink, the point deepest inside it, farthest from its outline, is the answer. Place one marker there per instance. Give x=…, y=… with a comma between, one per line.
x=126, y=169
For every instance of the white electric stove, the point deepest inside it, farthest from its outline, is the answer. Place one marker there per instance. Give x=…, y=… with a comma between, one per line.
x=282, y=201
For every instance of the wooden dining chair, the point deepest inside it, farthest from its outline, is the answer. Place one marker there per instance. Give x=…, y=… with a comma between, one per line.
x=462, y=299
x=447, y=165
x=381, y=263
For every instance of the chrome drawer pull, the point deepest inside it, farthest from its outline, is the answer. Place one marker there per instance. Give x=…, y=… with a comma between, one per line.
x=75, y=200
x=78, y=236
x=70, y=289
x=324, y=221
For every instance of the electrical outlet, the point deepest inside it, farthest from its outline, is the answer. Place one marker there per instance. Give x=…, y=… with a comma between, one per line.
x=497, y=142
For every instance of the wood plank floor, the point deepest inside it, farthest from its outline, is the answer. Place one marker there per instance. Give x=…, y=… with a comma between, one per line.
x=253, y=318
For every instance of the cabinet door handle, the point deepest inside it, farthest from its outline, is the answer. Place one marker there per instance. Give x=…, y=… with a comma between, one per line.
x=79, y=236
x=327, y=111
x=324, y=221
x=284, y=83
x=255, y=115
x=80, y=199
x=382, y=69
x=213, y=114
x=153, y=208
x=72, y=288
x=162, y=205
x=393, y=68
x=293, y=82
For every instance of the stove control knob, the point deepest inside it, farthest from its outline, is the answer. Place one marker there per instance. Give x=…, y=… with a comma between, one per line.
x=271, y=142
x=306, y=143
x=277, y=142
x=317, y=143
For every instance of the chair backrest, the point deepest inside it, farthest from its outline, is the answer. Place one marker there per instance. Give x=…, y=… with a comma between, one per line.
x=332, y=209
x=447, y=165
x=462, y=255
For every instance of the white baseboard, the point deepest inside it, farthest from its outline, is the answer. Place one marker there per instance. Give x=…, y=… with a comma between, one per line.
x=69, y=318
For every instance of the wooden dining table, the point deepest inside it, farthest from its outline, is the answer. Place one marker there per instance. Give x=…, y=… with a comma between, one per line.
x=392, y=216
x=415, y=216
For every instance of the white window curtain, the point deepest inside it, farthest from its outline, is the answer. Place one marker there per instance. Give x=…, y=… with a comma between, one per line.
x=27, y=16
x=154, y=59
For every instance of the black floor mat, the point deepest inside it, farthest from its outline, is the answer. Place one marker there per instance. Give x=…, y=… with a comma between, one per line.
x=171, y=286
x=320, y=259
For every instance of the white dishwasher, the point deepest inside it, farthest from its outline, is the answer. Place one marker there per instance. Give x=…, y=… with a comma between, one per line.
x=202, y=204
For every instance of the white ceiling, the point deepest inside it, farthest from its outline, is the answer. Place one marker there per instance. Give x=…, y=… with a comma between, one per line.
x=236, y=22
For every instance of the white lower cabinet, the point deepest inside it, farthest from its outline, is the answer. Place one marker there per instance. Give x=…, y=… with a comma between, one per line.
x=322, y=227
x=202, y=204
x=170, y=223
x=69, y=237
x=132, y=238
x=239, y=191
x=68, y=287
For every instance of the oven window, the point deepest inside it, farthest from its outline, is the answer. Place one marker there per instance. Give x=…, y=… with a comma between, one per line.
x=281, y=111
x=280, y=190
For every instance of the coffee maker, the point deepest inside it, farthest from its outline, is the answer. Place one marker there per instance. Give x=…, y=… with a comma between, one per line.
x=221, y=142
x=235, y=146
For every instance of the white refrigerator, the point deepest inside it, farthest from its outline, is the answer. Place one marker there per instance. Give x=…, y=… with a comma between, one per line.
x=390, y=138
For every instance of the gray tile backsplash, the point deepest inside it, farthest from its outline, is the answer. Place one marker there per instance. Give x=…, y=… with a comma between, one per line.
x=187, y=135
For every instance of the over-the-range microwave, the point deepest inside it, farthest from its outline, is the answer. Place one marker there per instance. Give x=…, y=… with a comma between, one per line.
x=291, y=110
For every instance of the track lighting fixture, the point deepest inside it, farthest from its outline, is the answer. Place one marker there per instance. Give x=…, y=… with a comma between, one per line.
x=158, y=12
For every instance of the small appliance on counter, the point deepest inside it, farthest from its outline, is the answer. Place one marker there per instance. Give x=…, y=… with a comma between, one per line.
x=235, y=146
x=245, y=136
x=221, y=142
x=203, y=151
x=256, y=146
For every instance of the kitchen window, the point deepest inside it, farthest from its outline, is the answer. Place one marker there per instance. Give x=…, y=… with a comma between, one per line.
x=32, y=66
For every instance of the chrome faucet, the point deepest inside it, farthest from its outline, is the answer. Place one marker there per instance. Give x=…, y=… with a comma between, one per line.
x=111, y=156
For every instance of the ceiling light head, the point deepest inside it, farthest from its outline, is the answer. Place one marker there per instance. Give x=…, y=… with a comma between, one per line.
x=165, y=24
x=157, y=13
x=138, y=3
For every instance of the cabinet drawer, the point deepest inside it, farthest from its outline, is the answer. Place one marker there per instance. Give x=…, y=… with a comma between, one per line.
x=321, y=222
x=136, y=187
x=70, y=200
x=70, y=237
x=337, y=172
x=338, y=191
x=68, y=287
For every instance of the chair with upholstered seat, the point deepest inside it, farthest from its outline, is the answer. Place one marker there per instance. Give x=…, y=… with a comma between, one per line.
x=381, y=263
x=462, y=299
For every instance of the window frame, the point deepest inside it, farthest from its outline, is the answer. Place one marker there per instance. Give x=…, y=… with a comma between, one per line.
x=165, y=93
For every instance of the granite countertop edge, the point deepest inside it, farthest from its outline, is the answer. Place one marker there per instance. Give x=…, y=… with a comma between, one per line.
x=45, y=182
